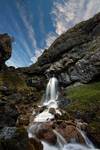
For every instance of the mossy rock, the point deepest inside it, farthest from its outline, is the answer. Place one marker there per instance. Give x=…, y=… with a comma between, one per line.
x=86, y=105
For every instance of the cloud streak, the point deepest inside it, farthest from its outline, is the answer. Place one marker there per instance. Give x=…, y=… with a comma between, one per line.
x=67, y=13
x=27, y=20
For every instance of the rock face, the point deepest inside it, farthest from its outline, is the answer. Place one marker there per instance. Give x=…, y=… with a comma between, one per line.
x=75, y=55
x=5, y=48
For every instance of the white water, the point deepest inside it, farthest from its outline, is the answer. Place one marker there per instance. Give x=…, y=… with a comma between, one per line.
x=60, y=139
x=45, y=116
x=87, y=141
x=51, y=90
x=50, y=101
x=69, y=146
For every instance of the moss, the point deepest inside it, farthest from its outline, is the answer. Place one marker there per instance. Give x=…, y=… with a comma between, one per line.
x=13, y=81
x=84, y=97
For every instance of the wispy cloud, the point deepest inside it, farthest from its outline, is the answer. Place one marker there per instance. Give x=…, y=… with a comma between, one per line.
x=27, y=20
x=38, y=52
x=50, y=39
x=67, y=13
x=41, y=20
x=22, y=41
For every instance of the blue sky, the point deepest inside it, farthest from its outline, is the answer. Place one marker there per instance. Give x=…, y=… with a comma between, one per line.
x=35, y=24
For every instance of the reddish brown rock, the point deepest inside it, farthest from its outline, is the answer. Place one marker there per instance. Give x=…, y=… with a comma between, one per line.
x=52, y=111
x=70, y=132
x=46, y=133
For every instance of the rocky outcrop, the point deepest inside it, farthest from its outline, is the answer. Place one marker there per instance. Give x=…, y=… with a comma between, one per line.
x=5, y=48
x=74, y=56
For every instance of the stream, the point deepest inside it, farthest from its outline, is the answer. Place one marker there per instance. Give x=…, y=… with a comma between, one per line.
x=51, y=101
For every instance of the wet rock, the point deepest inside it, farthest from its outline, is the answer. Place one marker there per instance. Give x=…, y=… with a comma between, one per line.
x=47, y=135
x=41, y=109
x=43, y=131
x=71, y=134
x=52, y=111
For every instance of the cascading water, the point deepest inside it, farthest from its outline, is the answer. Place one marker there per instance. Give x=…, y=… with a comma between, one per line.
x=51, y=97
x=60, y=139
x=51, y=90
x=87, y=141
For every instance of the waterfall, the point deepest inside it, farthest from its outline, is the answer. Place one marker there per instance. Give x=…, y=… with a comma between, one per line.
x=52, y=90
x=46, y=116
x=50, y=101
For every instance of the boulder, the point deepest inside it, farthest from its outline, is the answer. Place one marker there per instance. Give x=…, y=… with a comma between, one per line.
x=43, y=131
x=70, y=133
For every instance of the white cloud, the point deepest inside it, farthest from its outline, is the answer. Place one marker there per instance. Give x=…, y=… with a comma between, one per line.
x=11, y=63
x=38, y=52
x=50, y=39
x=27, y=20
x=67, y=13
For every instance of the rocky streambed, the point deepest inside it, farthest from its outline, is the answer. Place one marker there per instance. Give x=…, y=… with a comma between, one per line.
x=52, y=127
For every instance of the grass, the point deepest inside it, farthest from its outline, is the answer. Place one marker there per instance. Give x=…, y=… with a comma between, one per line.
x=84, y=97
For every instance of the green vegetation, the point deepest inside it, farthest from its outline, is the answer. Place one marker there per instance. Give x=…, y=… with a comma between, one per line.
x=84, y=97
x=86, y=100
x=12, y=80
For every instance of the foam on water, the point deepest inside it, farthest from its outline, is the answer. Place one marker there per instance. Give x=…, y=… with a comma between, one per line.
x=76, y=146
x=44, y=116
x=69, y=146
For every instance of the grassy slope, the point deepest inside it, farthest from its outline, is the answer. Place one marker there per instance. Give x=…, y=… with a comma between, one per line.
x=86, y=98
